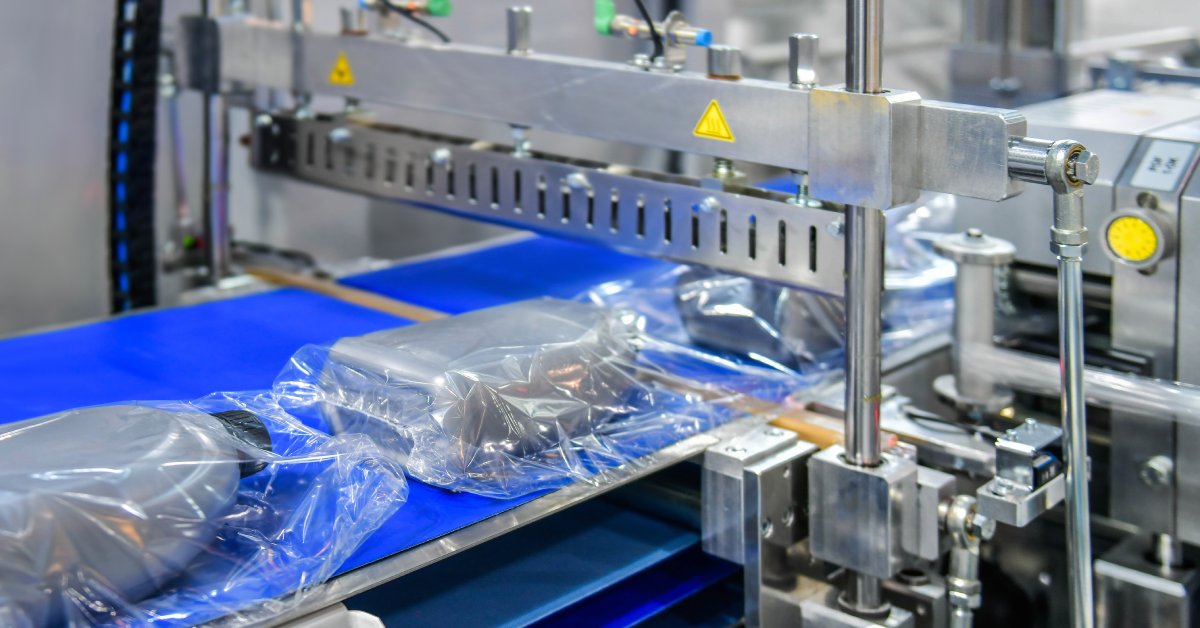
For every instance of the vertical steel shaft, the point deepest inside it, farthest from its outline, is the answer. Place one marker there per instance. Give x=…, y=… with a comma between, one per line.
x=216, y=176
x=864, y=46
x=216, y=181
x=864, y=592
x=1070, y=346
x=865, y=229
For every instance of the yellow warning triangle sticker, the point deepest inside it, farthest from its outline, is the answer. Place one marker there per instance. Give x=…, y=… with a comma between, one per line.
x=341, y=74
x=712, y=125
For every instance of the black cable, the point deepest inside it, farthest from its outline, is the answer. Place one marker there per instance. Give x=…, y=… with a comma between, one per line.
x=418, y=21
x=654, y=36
x=134, y=93
x=918, y=415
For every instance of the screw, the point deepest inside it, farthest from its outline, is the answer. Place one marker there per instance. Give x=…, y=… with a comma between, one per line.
x=1157, y=471
x=263, y=120
x=835, y=229
x=774, y=431
x=440, y=156
x=709, y=204
x=578, y=181
x=789, y=517
x=1084, y=167
x=735, y=450
x=974, y=234
x=339, y=135
x=767, y=527
x=983, y=526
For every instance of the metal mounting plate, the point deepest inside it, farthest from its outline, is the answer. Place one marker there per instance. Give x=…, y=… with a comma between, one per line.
x=749, y=232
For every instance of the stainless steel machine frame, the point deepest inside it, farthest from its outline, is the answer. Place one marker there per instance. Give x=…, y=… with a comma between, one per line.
x=863, y=149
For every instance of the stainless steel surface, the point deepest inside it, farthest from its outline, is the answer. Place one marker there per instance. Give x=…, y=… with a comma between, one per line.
x=776, y=490
x=520, y=36
x=723, y=495
x=857, y=155
x=933, y=489
x=803, y=52
x=1131, y=590
x=385, y=570
x=881, y=502
x=53, y=166
x=754, y=488
x=864, y=287
x=750, y=232
x=1016, y=507
x=878, y=135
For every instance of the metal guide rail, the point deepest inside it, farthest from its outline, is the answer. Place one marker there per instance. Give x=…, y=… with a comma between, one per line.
x=873, y=150
x=747, y=231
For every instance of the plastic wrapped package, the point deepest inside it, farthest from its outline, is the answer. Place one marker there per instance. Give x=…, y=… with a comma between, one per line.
x=179, y=513
x=794, y=330
x=519, y=398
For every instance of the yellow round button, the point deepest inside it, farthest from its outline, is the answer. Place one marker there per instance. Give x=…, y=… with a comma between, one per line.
x=1132, y=239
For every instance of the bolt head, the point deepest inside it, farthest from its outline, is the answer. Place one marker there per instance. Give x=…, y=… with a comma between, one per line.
x=440, y=156
x=577, y=181
x=985, y=527
x=836, y=229
x=339, y=135
x=1085, y=167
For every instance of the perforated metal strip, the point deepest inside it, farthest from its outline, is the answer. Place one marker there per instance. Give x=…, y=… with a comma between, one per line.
x=752, y=233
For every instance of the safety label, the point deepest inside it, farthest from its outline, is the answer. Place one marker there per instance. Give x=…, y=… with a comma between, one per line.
x=1163, y=165
x=341, y=74
x=712, y=125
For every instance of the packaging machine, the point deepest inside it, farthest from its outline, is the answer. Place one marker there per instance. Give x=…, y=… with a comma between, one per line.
x=873, y=501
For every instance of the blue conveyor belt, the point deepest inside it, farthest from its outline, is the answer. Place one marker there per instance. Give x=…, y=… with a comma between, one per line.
x=242, y=343
x=527, y=269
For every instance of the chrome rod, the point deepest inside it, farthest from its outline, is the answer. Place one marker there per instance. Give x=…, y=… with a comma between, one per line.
x=216, y=188
x=865, y=229
x=1074, y=417
x=864, y=46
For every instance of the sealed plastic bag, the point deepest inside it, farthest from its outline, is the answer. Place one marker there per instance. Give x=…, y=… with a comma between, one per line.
x=794, y=330
x=179, y=513
x=514, y=399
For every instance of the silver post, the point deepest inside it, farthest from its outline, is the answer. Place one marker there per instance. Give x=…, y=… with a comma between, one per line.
x=864, y=46
x=217, y=186
x=519, y=36
x=865, y=229
x=216, y=178
x=802, y=60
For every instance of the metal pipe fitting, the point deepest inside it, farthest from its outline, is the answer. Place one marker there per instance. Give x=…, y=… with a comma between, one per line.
x=967, y=529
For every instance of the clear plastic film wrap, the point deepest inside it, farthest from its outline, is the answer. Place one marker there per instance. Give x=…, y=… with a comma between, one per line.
x=794, y=330
x=519, y=398
x=172, y=513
